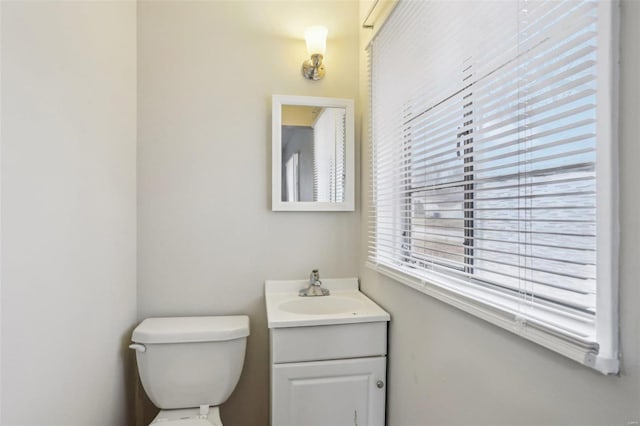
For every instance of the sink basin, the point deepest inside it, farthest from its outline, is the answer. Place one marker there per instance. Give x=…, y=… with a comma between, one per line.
x=345, y=305
x=321, y=305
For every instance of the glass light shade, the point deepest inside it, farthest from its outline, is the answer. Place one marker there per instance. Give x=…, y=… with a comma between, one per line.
x=316, y=38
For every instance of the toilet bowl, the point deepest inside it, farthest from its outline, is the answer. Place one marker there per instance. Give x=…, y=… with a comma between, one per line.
x=188, y=417
x=188, y=366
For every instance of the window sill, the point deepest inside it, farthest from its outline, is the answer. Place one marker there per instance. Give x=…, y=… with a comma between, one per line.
x=498, y=309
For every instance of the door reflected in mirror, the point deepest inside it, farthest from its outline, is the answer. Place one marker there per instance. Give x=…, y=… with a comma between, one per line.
x=313, y=153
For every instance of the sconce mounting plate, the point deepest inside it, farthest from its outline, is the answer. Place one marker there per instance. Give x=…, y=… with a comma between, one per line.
x=313, y=69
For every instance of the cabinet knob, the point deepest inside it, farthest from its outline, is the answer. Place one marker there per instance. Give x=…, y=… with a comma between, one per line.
x=380, y=384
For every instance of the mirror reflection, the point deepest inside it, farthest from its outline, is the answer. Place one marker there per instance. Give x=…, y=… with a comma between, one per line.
x=313, y=153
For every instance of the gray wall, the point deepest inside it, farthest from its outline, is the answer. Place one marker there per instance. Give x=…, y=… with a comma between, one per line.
x=206, y=240
x=299, y=139
x=68, y=211
x=449, y=368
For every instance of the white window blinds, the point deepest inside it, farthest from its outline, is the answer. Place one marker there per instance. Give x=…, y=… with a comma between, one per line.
x=492, y=163
x=329, y=156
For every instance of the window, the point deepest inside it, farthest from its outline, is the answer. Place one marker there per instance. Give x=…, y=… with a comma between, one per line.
x=493, y=165
x=329, y=156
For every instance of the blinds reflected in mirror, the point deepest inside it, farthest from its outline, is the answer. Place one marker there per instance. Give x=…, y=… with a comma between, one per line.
x=329, y=155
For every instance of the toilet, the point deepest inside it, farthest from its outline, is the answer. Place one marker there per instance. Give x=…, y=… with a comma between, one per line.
x=188, y=366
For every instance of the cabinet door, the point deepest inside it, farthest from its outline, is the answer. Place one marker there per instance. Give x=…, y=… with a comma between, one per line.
x=329, y=393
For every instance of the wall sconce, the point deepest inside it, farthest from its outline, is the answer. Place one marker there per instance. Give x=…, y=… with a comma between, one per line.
x=316, y=38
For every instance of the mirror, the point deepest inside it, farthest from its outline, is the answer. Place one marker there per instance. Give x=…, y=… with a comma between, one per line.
x=312, y=153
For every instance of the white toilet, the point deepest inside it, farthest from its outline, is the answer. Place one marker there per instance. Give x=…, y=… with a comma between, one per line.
x=188, y=366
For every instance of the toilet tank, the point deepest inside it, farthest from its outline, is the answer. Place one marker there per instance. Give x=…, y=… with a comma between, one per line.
x=191, y=361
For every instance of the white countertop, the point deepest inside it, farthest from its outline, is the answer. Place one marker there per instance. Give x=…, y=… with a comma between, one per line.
x=279, y=292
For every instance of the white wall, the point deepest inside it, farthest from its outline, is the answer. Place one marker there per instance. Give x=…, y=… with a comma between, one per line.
x=449, y=368
x=207, y=238
x=68, y=211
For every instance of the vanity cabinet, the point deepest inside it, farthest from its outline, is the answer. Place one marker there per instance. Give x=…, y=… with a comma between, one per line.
x=329, y=375
x=343, y=392
x=328, y=355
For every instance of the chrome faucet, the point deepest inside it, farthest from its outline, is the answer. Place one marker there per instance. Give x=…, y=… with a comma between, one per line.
x=314, y=288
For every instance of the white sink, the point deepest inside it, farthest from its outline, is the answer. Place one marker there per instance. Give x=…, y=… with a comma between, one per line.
x=321, y=305
x=345, y=305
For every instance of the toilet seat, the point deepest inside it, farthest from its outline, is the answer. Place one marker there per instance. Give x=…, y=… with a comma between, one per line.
x=187, y=417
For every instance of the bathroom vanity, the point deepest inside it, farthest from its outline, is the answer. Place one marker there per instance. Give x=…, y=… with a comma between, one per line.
x=328, y=355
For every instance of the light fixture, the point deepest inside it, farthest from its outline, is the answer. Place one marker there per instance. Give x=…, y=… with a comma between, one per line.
x=316, y=38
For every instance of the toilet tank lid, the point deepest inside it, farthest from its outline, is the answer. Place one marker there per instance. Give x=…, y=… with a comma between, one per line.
x=191, y=329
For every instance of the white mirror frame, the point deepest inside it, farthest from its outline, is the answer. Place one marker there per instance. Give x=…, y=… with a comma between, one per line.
x=276, y=154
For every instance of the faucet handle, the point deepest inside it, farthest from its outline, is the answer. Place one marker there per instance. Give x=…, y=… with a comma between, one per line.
x=314, y=277
x=314, y=288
